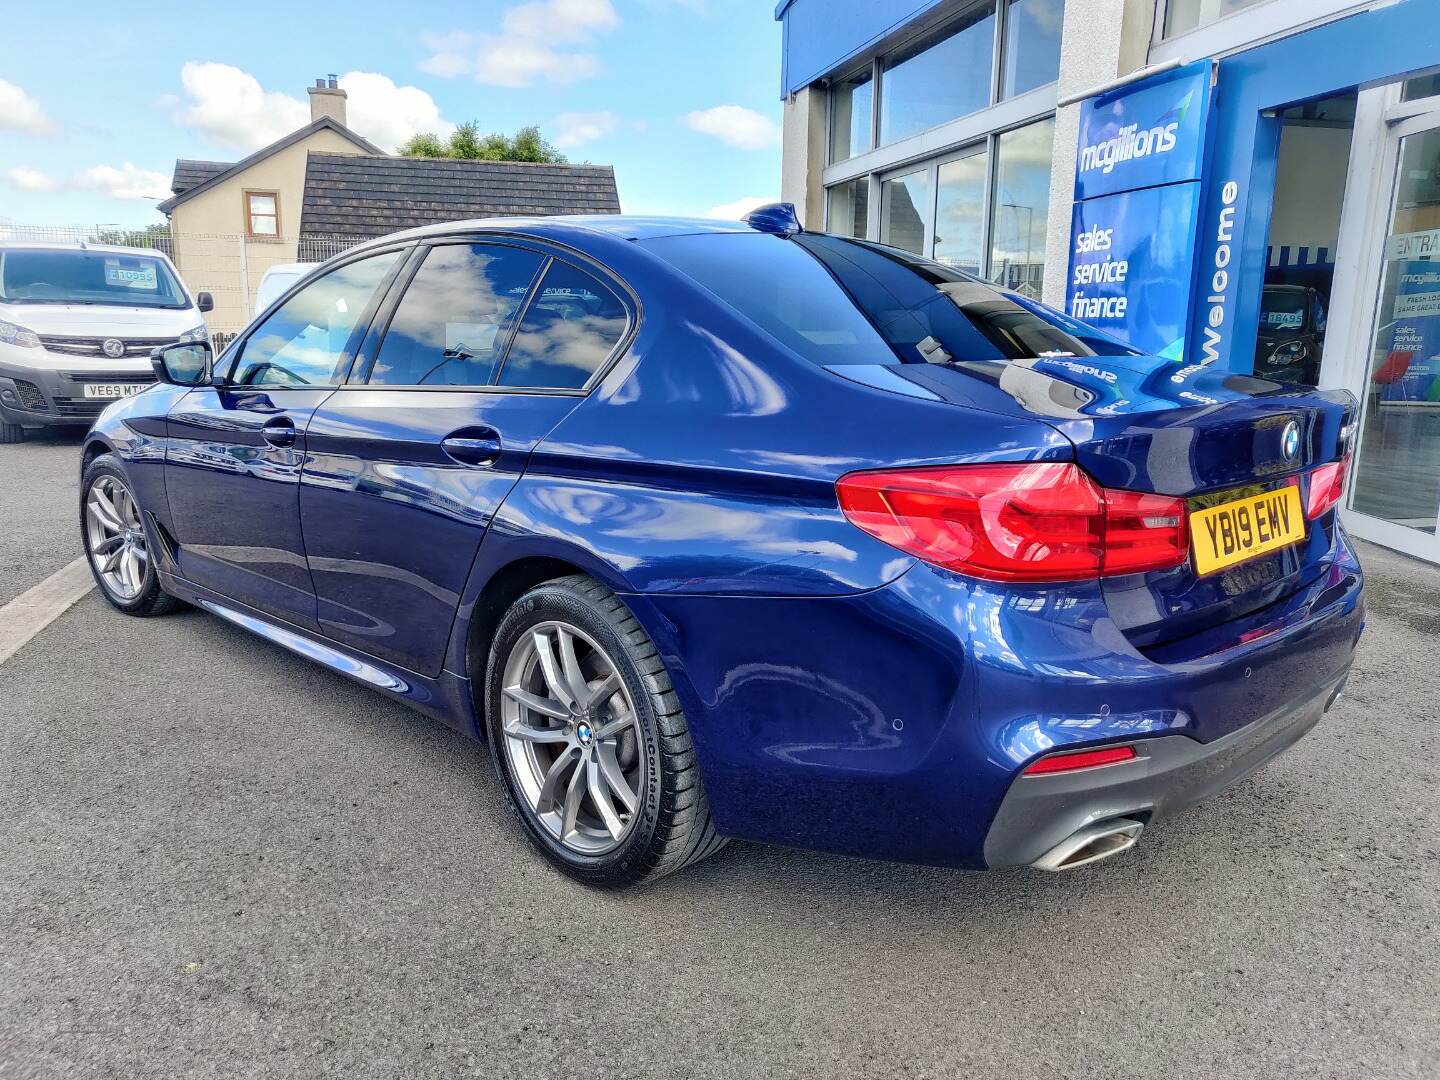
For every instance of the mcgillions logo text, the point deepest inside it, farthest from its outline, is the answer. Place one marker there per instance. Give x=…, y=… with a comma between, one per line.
x=1132, y=142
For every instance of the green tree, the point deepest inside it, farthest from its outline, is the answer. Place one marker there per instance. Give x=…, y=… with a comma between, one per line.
x=425, y=144
x=465, y=141
x=151, y=236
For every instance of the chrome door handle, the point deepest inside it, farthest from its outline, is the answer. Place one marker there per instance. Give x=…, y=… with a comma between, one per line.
x=279, y=431
x=473, y=446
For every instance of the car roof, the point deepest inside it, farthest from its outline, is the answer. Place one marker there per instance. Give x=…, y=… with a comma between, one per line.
x=73, y=245
x=574, y=228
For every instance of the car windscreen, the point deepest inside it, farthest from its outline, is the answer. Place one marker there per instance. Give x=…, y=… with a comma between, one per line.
x=88, y=277
x=837, y=301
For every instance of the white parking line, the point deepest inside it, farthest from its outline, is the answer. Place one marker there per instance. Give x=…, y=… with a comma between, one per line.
x=36, y=608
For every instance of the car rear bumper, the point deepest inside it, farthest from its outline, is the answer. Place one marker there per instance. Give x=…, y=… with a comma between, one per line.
x=1170, y=773
x=895, y=723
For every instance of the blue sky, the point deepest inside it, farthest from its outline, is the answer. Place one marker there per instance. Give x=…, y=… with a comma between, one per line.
x=681, y=96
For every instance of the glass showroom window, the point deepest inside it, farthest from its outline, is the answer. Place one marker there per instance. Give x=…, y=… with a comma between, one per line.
x=848, y=210
x=940, y=77
x=852, y=103
x=1422, y=86
x=960, y=212
x=1183, y=15
x=1019, y=205
x=1032, y=45
x=904, y=207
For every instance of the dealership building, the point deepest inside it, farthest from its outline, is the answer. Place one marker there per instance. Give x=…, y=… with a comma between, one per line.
x=1251, y=184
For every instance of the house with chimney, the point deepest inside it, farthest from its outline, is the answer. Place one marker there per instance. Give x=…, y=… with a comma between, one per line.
x=322, y=188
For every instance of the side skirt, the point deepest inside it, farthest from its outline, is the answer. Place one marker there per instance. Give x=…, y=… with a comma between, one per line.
x=447, y=697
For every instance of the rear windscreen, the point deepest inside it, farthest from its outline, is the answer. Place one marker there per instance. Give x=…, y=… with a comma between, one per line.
x=88, y=277
x=839, y=301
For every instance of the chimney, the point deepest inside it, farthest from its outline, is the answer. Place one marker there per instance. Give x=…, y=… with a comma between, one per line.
x=327, y=99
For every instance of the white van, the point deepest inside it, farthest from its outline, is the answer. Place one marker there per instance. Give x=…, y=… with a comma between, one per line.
x=77, y=323
x=277, y=280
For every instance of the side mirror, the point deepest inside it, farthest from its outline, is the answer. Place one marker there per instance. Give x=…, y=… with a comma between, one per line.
x=182, y=364
x=205, y=302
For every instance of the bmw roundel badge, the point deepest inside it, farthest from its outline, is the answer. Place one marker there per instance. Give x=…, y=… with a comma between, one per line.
x=1290, y=440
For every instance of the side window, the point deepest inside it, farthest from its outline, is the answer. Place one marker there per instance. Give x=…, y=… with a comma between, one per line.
x=454, y=321
x=305, y=341
x=568, y=331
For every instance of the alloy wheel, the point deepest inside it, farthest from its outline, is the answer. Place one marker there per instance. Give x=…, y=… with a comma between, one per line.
x=572, y=738
x=115, y=538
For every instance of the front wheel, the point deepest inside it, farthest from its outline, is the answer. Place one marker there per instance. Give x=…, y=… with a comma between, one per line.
x=589, y=741
x=116, y=544
x=11, y=433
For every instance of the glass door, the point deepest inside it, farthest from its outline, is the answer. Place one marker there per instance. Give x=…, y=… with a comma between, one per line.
x=1395, y=485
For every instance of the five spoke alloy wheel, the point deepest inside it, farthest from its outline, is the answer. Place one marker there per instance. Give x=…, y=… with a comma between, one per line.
x=115, y=538
x=572, y=738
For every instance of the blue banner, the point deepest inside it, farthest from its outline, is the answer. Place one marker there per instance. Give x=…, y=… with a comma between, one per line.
x=1145, y=134
x=1131, y=257
x=1138, y=164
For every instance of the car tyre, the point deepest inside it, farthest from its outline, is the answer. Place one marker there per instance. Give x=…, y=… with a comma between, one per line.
x=117, y=544
x=11, y=433
x=625, y=737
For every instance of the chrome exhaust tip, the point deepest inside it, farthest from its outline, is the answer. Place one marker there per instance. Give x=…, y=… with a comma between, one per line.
x=1336, y=695
x=1091, y=844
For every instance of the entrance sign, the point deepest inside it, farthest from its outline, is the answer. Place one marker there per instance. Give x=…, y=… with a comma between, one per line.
x=1138, y=166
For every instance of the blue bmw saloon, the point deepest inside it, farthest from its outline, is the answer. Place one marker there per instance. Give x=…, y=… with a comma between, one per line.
x=717, y=530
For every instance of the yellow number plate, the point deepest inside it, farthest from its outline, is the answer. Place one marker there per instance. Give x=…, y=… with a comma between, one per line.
x=1244, y=528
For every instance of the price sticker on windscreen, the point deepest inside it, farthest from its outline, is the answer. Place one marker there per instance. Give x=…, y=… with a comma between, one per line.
x=131, y=274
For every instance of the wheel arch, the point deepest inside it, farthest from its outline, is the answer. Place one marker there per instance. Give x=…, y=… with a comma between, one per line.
x=502, y=588
x=94, y=446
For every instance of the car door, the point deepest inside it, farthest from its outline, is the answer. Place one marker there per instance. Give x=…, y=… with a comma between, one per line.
x=489, y=346
x=232, y=466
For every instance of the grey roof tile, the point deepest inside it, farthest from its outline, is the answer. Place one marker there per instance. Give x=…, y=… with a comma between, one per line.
x=189, y=172
x=349, y=195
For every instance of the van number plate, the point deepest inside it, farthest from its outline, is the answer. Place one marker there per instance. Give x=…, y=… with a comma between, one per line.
x=111, y=390
x=1244, y=528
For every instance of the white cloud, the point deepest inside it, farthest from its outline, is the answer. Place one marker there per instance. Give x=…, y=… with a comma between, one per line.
x=526, y=49
x=519, y=64
x=387, y=114
x=568, y=22
x=576, y=129
x=125, y=182
x=20, y=112
x=231, y=107
x=24, y=179
x=450, y=54
x=735, y=125
x=736, y=211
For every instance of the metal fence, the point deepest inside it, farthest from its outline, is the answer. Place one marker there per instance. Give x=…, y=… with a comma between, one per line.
x=229, y=266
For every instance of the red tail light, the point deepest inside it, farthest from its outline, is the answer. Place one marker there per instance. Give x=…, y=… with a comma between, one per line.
x=1080, y=759
x=1327, y=484
x=1041, y=521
